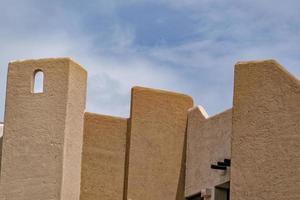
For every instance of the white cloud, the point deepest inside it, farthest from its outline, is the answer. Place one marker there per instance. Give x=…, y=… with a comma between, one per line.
x=110, y=76
x=224, y=32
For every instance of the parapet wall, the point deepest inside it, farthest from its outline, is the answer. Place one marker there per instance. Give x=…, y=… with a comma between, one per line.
x=156, y=163
x=266, y=133
x=103, y=157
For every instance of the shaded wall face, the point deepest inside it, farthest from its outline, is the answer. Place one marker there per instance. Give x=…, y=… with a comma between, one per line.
x=1, y=141
x=38, y=142
x=103, y=157
x=1, y=129
x=266, y=137
x=208, y=141
x=157, y=142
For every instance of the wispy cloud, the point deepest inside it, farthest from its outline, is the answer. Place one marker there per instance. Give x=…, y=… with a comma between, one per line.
x=188, y=46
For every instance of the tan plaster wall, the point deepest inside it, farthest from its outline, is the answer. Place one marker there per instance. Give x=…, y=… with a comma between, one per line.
x=103, y=159
x=157, y=144
x=1, y=141
x=77, y=84
x=208, y=141
x=266, y=137
x=42, y=131
x=1, y=129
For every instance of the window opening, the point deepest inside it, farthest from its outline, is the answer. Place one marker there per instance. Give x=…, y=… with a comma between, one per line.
x=38, y=82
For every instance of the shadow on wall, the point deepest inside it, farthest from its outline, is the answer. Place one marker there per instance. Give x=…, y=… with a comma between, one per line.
x=1, y=141
x=1, y=129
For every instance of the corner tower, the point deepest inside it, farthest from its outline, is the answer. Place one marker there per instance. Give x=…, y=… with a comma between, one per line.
x=43, y=131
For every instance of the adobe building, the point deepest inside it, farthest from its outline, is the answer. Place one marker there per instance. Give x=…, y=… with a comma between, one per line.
x=168, y=149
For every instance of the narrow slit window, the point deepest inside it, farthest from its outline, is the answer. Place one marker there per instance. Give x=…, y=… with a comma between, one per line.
x=38, y=82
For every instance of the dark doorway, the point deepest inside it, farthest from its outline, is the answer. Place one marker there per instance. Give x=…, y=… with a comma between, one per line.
x=222, y=192
x=195, y=197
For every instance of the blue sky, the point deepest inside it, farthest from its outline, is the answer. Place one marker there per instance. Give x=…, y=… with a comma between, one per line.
x=188, y=46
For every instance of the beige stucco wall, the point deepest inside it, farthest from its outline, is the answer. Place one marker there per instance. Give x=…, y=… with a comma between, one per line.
x=103, y=159
x=157, y=142
x=1, y=140
x=266, y=136
x=76, y=100
x=43, y=132
x=149, y=156
x=1, y=129
x=208, y=141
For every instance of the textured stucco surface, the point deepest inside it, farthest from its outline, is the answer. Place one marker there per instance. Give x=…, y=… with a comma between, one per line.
x=1, y=129
x=157, y=142
x=43, y=132
x=208, y=141
x=266, y=136
x=103, y=159
x=1, y=141
x=164, y=151
x=76, y=99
